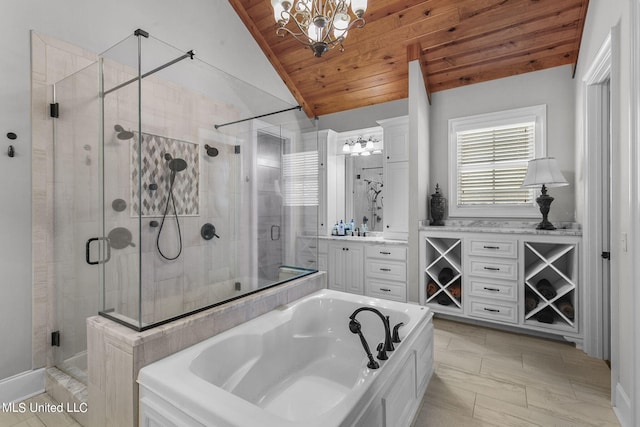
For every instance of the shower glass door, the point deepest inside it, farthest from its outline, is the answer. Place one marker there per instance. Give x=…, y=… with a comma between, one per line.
x=269, y=207
x=77, y=216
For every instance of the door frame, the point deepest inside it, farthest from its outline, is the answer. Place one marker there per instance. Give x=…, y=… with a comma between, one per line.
x=603, y=69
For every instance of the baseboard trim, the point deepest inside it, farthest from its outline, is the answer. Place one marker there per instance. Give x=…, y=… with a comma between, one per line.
x=22, y=386
x=622, y=407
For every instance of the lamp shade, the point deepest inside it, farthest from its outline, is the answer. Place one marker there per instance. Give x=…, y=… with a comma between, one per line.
x=544, y=171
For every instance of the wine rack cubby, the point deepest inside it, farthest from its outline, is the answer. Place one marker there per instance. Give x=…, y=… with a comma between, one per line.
x=550, y=285
x=443, y=273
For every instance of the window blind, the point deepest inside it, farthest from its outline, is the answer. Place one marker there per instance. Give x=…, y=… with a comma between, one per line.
x=492, y=163
x=300, y=178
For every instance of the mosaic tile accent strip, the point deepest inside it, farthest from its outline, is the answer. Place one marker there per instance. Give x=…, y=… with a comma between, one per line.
x=154, y=169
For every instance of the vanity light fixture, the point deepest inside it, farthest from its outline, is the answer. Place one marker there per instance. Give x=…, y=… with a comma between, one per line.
x=318, y=24
x=361, y=146
x=544, y=171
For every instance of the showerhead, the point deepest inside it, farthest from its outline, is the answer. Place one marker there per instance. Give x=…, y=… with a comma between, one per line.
x=211, y=151
x=123, y=134
x=177, y=165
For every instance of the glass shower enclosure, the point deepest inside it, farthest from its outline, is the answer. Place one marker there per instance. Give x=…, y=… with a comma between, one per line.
x=170, y=196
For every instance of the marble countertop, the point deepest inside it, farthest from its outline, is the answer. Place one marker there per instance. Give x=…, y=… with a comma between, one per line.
x=377, y=239
x=505, y=227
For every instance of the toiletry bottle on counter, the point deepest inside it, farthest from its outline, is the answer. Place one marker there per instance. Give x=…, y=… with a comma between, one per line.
x=341, y=228
x=352, y=227
x=334, y=232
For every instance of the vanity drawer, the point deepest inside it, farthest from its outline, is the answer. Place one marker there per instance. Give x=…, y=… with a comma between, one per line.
x=494, y=248
x=507, y=291
x=388, y=270
x=396, y=253
x=502, y=312
x=386, y=290
x=498, y=269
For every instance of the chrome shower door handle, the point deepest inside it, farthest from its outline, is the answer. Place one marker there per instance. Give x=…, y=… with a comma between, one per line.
x=275, y=231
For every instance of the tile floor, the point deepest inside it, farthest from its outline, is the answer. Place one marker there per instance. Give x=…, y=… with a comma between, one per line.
x=483, y=377
x=487, y=377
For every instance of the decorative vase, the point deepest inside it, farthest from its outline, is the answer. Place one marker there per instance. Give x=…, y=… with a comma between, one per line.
x=438, y=204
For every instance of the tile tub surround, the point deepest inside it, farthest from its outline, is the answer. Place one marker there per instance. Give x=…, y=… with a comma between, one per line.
x=117, y=353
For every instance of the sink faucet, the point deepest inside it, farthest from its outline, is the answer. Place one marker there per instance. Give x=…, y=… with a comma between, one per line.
x=354, y=326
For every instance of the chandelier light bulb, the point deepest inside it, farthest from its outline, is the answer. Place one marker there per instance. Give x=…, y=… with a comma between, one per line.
x=359, y=7
x=278, y=9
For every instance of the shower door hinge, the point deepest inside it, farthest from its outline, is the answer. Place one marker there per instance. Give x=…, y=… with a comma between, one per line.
x=55, y=339
x=54, y=110
x=236, y=149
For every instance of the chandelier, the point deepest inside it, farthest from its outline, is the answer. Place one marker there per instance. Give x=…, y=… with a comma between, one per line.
x=361, y=146
x=319, y=24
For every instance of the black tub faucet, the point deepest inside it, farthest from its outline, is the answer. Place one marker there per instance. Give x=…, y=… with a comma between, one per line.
x=354, y=326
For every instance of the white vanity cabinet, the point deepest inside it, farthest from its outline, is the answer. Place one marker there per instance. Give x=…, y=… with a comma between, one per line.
x=491, y=267
x=345, y=261
x=331, y=176
x=386, y=272
x=367, y=267
x=396, y=177
x=528, y=280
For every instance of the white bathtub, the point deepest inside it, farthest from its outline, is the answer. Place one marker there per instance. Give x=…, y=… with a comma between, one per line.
x=298, y=365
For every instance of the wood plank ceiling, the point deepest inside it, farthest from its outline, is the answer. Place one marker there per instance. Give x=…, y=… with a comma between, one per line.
x=458, y=42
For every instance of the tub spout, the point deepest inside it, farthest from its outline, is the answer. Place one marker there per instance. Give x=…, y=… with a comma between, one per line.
x=388, y=344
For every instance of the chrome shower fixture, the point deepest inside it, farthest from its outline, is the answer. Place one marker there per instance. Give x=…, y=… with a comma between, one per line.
x=123, y=134
x=175, y=165
x=211, y=151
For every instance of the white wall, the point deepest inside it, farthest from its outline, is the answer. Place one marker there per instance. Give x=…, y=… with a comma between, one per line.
x=553, y=87
x=210, y=27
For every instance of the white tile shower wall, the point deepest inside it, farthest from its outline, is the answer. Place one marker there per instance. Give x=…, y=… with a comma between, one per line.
x=205, y=268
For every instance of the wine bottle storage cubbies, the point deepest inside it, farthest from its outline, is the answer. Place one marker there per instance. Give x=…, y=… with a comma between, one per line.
x=550, y=285
x=528, y=280
x=444, y=273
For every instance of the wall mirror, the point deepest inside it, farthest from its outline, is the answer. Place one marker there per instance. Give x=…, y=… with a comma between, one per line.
x=364, y=176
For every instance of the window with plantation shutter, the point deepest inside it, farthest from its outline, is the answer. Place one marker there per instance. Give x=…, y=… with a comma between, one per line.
x=300, y=178
x=489, y=154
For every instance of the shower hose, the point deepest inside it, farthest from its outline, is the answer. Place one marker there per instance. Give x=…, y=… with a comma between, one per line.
x=171, y=199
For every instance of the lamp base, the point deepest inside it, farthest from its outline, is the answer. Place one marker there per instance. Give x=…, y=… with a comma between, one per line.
x=545, y=225
x=544, y=201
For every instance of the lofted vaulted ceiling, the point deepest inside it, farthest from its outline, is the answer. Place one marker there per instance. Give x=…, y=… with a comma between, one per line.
x=458, y=42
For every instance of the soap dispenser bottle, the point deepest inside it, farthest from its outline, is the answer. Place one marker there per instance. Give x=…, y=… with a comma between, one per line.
x=341, y=228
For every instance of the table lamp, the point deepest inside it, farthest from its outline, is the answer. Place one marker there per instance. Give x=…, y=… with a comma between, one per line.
x=544, y=171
